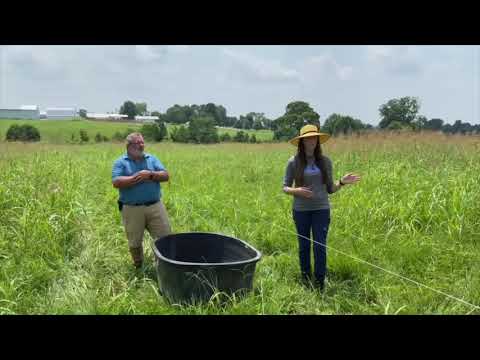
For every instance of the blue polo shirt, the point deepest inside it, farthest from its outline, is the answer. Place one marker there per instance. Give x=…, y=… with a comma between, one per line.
x=145, y=191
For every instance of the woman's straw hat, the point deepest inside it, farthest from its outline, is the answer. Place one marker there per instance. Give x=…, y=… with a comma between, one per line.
x=308, y=131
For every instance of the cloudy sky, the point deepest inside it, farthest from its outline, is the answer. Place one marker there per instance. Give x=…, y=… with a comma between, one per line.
x=349, y=79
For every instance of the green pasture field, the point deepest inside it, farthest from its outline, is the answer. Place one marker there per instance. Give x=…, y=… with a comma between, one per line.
x=60, y=131
x=414, y=214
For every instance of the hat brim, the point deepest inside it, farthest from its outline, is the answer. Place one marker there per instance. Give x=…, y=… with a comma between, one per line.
x=322, y=138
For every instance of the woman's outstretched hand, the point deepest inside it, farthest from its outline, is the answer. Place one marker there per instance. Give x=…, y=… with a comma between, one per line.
x=350, y=178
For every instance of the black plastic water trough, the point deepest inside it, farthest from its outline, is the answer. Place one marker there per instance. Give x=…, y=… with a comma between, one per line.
x=192, y=266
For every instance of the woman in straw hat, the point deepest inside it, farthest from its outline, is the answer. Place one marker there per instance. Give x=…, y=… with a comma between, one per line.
x=312, y=173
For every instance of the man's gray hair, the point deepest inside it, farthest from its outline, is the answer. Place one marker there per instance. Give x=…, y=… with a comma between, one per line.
x=132, y=136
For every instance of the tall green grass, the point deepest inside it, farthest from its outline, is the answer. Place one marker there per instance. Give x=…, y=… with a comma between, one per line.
x=63, y=249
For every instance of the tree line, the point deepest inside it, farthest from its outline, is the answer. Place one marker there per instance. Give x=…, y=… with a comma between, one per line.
x=199, y=123
x=403, y=113
x=396, y=114
x=183, y=114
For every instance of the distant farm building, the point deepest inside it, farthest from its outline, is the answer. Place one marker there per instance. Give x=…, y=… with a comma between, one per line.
x=31, y=112
x=99, y=116
x=61, y=113
x=146, y=119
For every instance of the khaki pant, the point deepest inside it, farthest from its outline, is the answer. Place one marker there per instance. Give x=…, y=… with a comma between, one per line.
x=136, y=219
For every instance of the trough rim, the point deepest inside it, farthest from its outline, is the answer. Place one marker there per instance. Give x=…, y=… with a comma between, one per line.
x=175, y=262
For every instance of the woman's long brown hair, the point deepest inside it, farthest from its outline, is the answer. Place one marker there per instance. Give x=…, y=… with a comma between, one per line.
x=301, y=163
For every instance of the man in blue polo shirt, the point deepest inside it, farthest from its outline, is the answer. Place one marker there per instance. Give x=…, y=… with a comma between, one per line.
x=137, y=175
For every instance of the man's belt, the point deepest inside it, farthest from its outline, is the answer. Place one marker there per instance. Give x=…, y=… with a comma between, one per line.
x=144, y=204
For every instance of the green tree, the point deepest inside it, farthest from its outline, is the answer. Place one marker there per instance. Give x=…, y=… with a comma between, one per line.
x=13, y=133
x=461, y=127
x=267, y=123
x=217, y=112
x=297, y=114
x=30, y=133
x=162, y=130
x=221, y=115
x=247, y=121
x=231, y=121
x=154, y=132
x=240, y=136
x=203, y=131
x=178, y=114
x=257, y=125
x=397, y=125
x=434, y=124
x=128, y=108
x=403, y=110
x=180, y=134
x=22, y=133
x=118, y=136
x=84, y=136
x=447, y=128
x=225, y=137
x=340, y=124
x=141, y=108
x=82, y=113
x=255, y=120
x=260, y=121
x=419, y=123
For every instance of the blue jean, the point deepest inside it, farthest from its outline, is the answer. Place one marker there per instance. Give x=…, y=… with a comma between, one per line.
x=318, y=222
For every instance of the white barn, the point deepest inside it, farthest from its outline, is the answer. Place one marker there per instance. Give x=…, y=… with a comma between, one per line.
x=61, y=113
x=99, y=116
x=30, y=112
x=146, y=119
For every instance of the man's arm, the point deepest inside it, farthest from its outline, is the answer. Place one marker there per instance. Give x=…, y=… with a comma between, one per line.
x=120, y=180
x=160, y=176
x=125, y=181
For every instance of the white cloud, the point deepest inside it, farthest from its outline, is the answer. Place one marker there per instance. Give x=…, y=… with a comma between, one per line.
x=322, y=66
x=395, y=59
x=179, y=49
x=379, y=53
x=261, y=69
x=149, y=53
x=38, y=56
